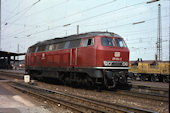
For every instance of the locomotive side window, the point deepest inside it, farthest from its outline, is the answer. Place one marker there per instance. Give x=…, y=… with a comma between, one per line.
x=88, y=42
x=61, y=45
x=74, y=43
x=46, y=47
x=41, y=48
x=33, y=49
x=67, y=44
x=120, y=42
x=51, y=47
x=107, y=41
x=57, y=46
x=36, y=49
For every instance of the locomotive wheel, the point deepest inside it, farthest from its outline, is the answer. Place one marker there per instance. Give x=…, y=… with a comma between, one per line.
x=114, y=83
x=153, y=78
x=109, y=85
x=165, y=79
x=133, y=77
x=143, y=77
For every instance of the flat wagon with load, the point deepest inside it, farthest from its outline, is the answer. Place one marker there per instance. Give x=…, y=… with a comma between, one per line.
x=150, y=70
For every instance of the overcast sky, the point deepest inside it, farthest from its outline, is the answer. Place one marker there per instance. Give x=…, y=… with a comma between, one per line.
x=25, y=22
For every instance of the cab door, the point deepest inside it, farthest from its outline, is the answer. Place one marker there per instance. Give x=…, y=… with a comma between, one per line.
x=87, y=53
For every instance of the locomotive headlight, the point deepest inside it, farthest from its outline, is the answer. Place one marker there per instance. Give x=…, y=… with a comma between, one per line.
x=107, y=63
x=124, y=63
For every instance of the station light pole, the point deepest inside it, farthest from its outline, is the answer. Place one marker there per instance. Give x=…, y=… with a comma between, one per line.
x=77, y=29
x=159, y=38
x=18, y=53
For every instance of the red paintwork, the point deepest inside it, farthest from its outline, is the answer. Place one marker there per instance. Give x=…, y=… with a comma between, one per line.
x=91, y=56
x=106, y=53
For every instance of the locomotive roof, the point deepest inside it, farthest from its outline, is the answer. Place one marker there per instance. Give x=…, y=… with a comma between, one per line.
x=147, y=61
x=75, y=36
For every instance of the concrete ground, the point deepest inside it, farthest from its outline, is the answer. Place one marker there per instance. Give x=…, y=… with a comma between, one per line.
x=10, y=102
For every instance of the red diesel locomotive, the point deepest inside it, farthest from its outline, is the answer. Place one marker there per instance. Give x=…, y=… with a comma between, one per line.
x=90, y=59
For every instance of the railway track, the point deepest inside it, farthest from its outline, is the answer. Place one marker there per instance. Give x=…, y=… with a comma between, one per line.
x=157, y=94
x=77, y=103
x=138, y=91
x=143, y=95
x=12, y=74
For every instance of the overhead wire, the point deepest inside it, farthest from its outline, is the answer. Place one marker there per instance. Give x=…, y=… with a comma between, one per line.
x=143, y=38
x=22, y=12
x=85, y=19
x=106, y=3
x=106, y=28
x=100, y=5
x=61, y=26
x=76, y=13
x=116, y=26
x=88, y=18
x=16, y=14
x=147, y=41
x=85, y=10
x=40, y=32
x=124, y=18
x=49, y=29
x=45, y=9
x=19, y=3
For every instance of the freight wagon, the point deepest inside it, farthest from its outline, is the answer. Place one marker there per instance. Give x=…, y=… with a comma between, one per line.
x=150, y=70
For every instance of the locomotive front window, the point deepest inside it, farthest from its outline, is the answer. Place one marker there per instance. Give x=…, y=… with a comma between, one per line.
x=107, y=41
x=120, y=42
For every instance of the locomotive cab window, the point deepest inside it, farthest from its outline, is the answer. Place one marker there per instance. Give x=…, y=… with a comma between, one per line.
x=88, y=42
x=120, y=42
x=107, y=41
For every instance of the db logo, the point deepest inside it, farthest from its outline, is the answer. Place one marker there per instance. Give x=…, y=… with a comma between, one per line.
x=43, y=56
x=117, y=54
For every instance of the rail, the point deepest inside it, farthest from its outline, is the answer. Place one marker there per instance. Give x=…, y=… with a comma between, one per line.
x=77, y=103
x=139, y=91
